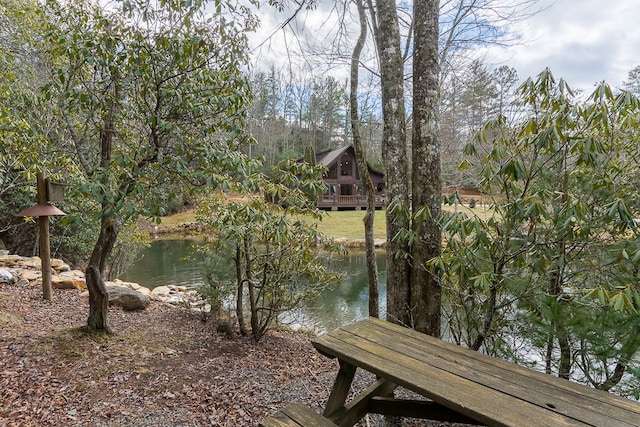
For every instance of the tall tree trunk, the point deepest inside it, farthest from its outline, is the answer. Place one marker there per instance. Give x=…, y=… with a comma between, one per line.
x=240, y=292
x=394, y=155
x=253, y=298
x=557, y=326
x=426, y=171
x=487, y=323
x=372, y=266
x=109, y=228
x=556, y=283
x=98, y=295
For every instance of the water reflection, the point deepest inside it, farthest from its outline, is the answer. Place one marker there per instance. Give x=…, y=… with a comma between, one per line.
x=348, y=301
x=165, y=263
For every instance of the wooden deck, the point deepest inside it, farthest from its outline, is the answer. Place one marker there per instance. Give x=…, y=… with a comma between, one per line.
x=347, y=202
x=458, y=384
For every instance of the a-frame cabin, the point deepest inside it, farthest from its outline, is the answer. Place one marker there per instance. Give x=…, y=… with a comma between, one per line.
x=344, y=184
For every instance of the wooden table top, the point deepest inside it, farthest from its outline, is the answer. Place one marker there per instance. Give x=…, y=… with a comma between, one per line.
x=489, y=390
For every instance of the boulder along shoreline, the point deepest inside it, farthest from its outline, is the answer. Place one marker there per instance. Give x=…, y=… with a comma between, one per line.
x=27, y=272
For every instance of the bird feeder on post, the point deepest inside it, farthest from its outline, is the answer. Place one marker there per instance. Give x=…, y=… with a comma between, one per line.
x=47, y=191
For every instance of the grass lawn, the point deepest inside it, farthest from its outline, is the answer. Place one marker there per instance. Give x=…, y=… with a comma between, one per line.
x=177, y=219
x=337, y=224
x=349, y=224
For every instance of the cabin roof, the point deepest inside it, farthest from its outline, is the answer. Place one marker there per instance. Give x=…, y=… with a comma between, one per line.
x=327, y=158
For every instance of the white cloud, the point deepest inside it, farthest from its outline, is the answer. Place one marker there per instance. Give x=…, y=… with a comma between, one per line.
x=307, y=41
x=583, y=42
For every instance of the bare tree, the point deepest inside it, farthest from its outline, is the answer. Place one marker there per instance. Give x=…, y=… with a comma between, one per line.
x=372, y=267
x=466, y=25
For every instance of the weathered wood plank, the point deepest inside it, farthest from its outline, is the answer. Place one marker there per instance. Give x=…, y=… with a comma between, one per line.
x=463, y=396
x=548, y=392
x=490, y=364
x=297, y=415
x=279, y=419
x=358, y=407
x=340, y=389
x=415, y=409
x=486, y=389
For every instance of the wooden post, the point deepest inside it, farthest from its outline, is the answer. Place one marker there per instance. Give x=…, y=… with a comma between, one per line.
x=45, y=251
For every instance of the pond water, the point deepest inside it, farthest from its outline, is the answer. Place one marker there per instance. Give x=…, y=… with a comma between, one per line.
x=166, y=262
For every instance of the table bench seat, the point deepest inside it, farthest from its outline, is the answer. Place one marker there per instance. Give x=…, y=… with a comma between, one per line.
x=458, y=383
x=297, y=415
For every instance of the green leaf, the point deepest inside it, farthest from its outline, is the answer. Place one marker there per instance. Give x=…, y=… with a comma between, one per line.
x=617, y=302
x=602, y=296
x=469, y=149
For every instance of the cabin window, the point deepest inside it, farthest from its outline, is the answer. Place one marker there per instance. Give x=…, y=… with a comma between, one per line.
x=346, y=190
x=346, y=165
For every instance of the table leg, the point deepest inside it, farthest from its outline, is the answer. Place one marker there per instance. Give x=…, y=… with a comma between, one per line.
x=340, y=389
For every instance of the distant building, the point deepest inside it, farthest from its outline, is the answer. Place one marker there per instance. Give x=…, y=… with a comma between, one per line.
x=344, y=185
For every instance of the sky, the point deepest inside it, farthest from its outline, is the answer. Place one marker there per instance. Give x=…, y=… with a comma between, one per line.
x=581, y=41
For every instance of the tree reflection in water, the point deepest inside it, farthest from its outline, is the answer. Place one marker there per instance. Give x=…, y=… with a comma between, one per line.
x=165, y=262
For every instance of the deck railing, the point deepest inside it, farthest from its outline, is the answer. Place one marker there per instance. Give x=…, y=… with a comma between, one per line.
x=347, y=202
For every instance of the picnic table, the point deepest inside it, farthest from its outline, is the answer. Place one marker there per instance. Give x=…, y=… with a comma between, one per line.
x=459, y=384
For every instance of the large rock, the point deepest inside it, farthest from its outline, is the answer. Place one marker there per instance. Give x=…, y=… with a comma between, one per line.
x=5, y=276
x=59, y=265
x=161, y=291
x=33, y=262
x=137, y=287
x=10, y=260
x=31, y=275
x=22, y=283
x=171, y=294
x=127, y=298
x=73, y=279
x=130, y=285
x=59, y=282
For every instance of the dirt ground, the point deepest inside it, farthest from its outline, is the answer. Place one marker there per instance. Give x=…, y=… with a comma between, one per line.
x=164, y=367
